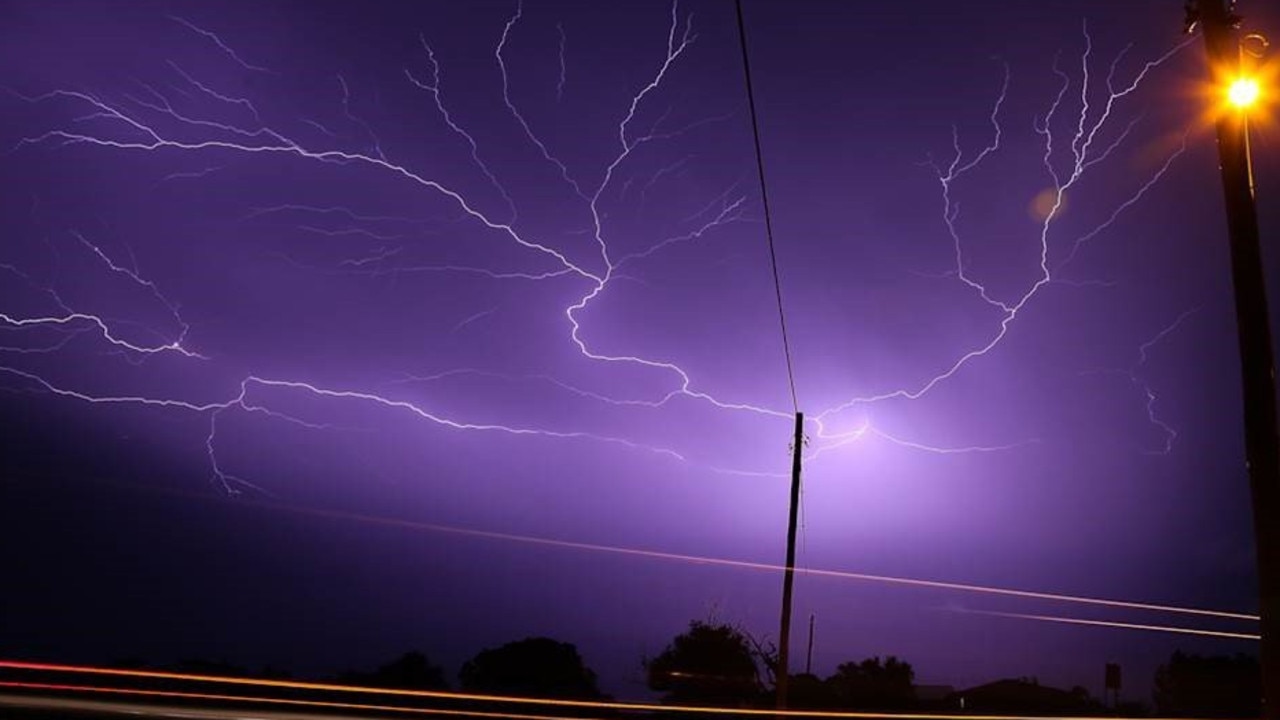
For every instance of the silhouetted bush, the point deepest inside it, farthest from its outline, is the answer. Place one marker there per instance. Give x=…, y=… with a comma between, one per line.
x=1217, y=686
x=707, y=665
x=539, y=667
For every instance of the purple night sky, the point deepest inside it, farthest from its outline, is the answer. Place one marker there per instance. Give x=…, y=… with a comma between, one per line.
x=304, y=306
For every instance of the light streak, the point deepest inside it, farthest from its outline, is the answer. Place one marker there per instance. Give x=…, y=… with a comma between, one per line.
x=759, y=566
x=289, y=702
x=1121, y=625
x=471, y=697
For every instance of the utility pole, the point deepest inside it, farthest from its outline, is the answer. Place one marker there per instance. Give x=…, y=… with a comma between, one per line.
x=788, y=576
x=1257, y=362
x=797, y=446
x=808, y=660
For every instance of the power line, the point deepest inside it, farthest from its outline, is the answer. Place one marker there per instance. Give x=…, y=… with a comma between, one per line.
x=764, y=198
x=1123, y=625
x=761, y=566
x=925, y=583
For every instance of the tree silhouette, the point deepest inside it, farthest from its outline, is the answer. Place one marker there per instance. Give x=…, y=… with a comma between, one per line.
x=873, y=684
x=808, y=691
x=539, y=667
x=1217, y=686
x=707, y=664
x=411, y=670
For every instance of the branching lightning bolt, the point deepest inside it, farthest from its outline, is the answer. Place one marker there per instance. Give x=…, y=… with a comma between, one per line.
x=221, y=45
x=433, y=87
x=150, y=122
x=1134, y=375
x=1084, y=155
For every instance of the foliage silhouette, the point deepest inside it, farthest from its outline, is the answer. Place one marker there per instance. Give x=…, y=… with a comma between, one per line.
x=708, y=664
x=539, y=667
x=1216, y=686
x=411, y=671
x=874, y=685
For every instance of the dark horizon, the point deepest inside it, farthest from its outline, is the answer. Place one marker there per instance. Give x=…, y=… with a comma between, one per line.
x=331, y=333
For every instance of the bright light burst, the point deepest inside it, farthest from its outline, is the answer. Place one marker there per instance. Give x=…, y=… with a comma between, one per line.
x=1244, y=92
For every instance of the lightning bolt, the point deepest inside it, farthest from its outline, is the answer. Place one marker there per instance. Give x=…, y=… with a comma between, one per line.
x=149, y=121
x=1084, y=154
x=564, y=69
x=1134, y=375
x=77, y=321
x=221, y=45
x=433, y=87
x=515, y=112
x=191, y=174
x=230, y=100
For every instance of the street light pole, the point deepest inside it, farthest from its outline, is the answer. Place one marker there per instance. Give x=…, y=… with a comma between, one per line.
x=1257, y=362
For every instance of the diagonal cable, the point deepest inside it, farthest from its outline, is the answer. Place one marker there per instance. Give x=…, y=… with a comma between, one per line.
x=764, y=197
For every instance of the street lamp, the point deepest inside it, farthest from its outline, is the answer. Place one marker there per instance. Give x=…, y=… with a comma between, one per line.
x=1257, y=361
x=1243, y=93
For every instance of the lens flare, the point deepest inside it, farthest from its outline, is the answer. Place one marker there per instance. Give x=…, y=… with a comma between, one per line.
x=1244, y=92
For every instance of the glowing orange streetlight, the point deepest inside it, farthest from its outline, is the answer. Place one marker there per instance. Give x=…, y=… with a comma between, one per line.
x=1244, y=92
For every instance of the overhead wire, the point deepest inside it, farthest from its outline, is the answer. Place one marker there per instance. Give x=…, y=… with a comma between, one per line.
x=764, y=199
x=920, y=583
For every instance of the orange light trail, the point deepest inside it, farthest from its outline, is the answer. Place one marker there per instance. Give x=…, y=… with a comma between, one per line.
x=435, y=694
x=282, y=701
x=750, y=565
x=1124, y=625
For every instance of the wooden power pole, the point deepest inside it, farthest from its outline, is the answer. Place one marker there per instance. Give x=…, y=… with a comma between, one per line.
x=788, y=576
x=1257, y=361
x=808, y=656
